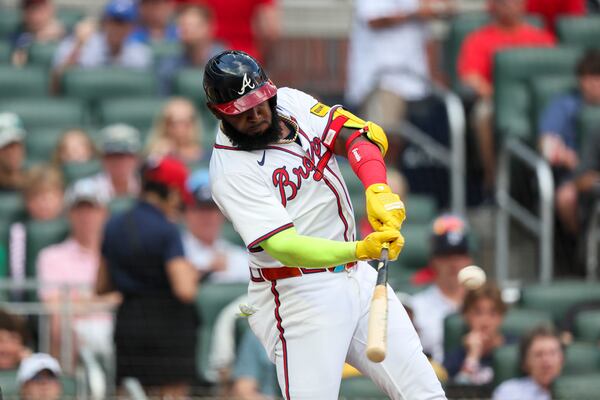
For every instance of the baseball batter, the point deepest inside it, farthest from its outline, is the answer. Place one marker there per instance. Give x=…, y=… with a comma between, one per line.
x=275, y=176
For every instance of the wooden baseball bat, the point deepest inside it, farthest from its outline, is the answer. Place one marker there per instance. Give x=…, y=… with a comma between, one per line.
x=378, y=313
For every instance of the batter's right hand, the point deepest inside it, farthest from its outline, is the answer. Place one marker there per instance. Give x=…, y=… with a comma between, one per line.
x=370, y=247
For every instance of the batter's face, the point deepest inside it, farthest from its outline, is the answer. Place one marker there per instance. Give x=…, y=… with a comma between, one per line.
x=254, y=128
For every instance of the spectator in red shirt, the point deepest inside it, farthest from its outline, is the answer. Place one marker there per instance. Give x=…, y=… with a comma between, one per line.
x=248, y=25
x=551, y=10
x=507, y=29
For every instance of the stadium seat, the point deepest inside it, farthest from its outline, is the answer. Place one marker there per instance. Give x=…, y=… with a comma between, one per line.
x=360, y=387
x=399, y=278
x=42, y=54
x=513, y=71
x=23, y=82
x=558, y=297
x=120, y=204
x=9, y=21
x=138, y=112
x=580, y=387
x=587, y=326
x=41, y=234
x=75, y=171
x=94, y=84
x=579, y=31
x=545, y=88
x=420, y=208
x=588, y=122
x=460, y=26
x=229, y=233
x=165, y=49
x=12, y=207
x=69, y=17
x=211, y=300
x=506, y=363
x=40, y=144
x=416, y=251
x=47, y=113
x=188, y=83
x=516, y=323
x=4, y=52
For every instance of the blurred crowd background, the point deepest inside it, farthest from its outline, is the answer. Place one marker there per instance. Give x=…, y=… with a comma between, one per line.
x=492, y=109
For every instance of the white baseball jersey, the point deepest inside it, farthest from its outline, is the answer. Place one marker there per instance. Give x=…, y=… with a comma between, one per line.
x=264, y=192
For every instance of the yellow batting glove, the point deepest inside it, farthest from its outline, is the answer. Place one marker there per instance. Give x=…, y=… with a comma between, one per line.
x=385, y=210
x=370, y=247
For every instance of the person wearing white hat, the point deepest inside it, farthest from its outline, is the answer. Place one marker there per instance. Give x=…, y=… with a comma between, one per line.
x=12, y=151
x=39, y=378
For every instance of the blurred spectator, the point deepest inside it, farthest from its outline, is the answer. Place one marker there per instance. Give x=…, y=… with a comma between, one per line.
x=587, y=178
x=483, y=311
x=450, y=253
x=39, y=378
x=89, y=47
x=12, y=152
x=196, y=31
x=541, y=359
x=254, y=375
x=143, y=259
x=508, y=29
x=177, y=132
x=384, y=32
x=74, y=262
x=215, y=258
x=74, y=146
x=552, y=10
x=13, y=339
x=120, y=148
x=38, y=25
x=43, y=193
x=252, y=26
x=154, y=23
x=558, y=135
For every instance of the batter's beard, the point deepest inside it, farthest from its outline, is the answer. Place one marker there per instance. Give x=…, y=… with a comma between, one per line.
x=246, y=142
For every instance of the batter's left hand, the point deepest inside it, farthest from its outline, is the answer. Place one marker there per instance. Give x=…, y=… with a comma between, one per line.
x=385, y=210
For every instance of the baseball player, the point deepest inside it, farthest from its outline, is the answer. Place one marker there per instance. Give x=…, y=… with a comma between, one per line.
x=274, y=174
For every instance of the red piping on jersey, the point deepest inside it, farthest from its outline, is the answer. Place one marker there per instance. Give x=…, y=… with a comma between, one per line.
x=282, y=338
x=264, y=237
x=336, y=194
x=222, y=147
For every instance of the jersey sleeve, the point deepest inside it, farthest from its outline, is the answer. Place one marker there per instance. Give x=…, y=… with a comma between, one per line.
x=251, y=206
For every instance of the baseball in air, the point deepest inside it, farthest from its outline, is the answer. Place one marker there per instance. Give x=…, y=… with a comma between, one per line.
x=471, y=277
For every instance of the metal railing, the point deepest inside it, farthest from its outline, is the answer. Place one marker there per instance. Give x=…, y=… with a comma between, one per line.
x=541, y=226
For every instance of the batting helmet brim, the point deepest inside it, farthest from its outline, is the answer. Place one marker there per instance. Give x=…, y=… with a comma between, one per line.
x=252, y=99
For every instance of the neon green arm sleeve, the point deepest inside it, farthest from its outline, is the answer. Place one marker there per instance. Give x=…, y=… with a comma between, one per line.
x=295, y=250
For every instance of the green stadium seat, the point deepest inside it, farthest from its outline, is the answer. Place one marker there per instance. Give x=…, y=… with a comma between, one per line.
x=23, y=82
x=588, y=122
x=75, y=171
x=558, y=297
x=41, y=234
x=580, y=387
x=513, y=71
x=579, y=31
x=137, y=112
x=420, y=208
x=40, y=144
x=229, y=233
x=95, y=84
x=360, y=387
x=416, y=251
x=42, y=54
x=517, y=322
x=587, y=326
x=545, y=88
x=506, y=363
x=165, y=49
x=12, y=207
x=121, y=204
x=399, y=278
x=4, y=52
x=188, y=83
x=9, y=22
x=211, y=300
x=47, y=113
x=460, y=26
x=69, y=17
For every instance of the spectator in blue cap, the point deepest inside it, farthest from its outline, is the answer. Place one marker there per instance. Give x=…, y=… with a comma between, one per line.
x=217, y=259
x=91, y=47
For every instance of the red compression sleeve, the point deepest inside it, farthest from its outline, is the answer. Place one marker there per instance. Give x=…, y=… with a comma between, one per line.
x=367, y=162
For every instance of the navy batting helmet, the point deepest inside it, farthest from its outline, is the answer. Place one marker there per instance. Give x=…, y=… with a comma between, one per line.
x=235, y=82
